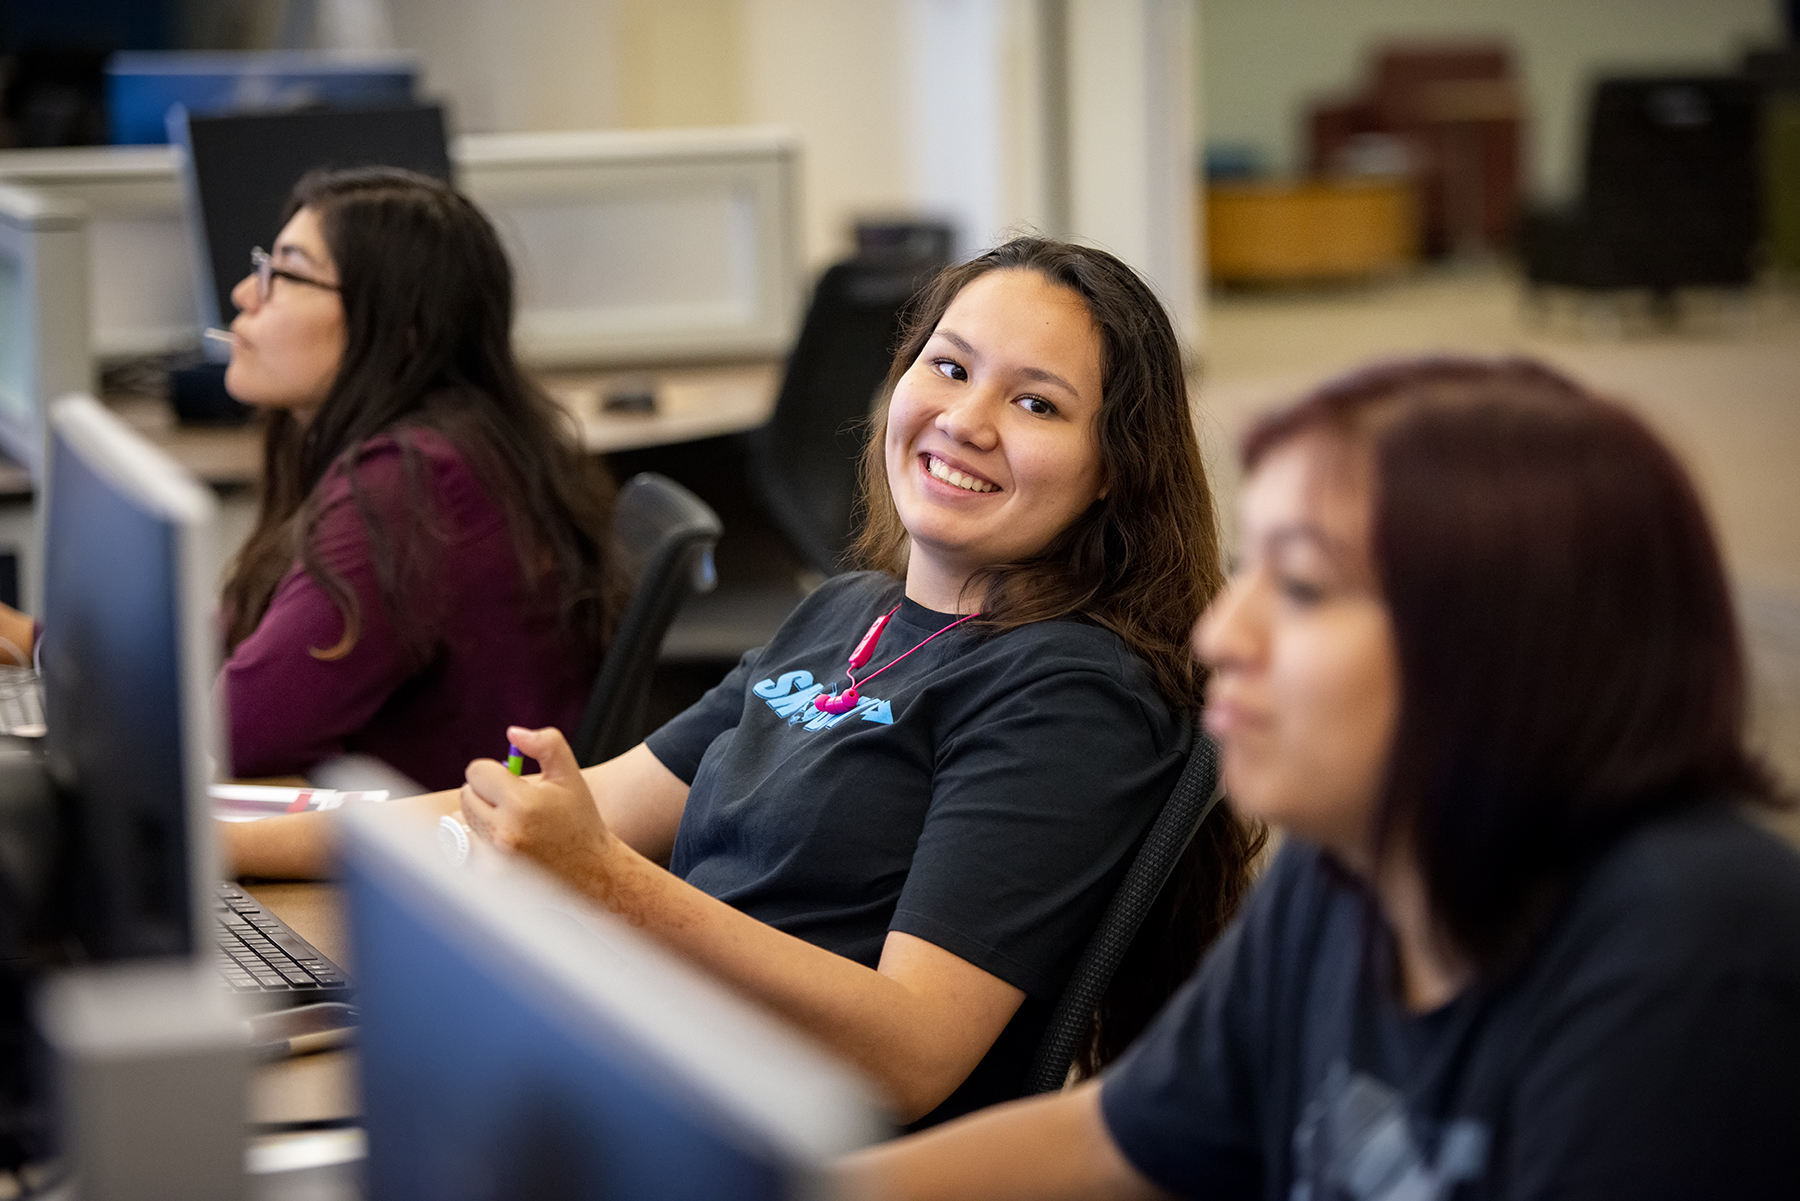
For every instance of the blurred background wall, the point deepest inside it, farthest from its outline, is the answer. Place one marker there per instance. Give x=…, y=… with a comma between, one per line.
x=941, y=107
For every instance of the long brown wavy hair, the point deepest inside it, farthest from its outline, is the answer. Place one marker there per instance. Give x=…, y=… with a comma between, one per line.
x=1143, y=561
x=428, y=308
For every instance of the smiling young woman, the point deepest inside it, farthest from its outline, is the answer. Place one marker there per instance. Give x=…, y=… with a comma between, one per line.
x=899, y=821
x=1479, y=660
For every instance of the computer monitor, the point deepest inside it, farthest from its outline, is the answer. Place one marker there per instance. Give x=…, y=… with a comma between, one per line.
x=111, y=857
x=141, y=86
x=517, y=1042
x=239, y=171
x=128, y=658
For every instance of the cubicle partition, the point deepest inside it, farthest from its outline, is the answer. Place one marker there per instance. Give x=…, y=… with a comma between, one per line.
x=138, y=281
x=630, y=246
x=676, y=245
x=44, y=309
x=43, y=354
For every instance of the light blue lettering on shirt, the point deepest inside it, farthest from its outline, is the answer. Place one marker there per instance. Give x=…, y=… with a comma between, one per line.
x=791, y=695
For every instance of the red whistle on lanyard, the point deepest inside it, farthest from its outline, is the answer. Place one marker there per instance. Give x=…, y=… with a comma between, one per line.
x=847, y=700
x=843, y=702
x=865, y=650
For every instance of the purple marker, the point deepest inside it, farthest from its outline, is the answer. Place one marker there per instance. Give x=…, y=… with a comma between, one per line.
x=515, y=760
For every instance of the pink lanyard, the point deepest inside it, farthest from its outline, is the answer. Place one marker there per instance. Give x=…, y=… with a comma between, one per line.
x=848, y=699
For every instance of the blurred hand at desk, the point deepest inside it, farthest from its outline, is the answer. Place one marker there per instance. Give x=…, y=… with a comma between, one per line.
x=18, y=633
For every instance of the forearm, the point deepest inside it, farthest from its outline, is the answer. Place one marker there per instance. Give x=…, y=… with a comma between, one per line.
x=301, y=846
x=917, y=1025
x=1040, y=1149
x=640, y=800
x=893, y=1031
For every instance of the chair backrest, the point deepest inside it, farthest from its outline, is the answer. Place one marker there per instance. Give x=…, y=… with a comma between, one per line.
x=665, y=535
x=804, y=463
x=1195, y=795
x=1671, y=178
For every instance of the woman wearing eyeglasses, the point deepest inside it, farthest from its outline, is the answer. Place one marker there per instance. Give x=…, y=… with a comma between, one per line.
x=429, y=560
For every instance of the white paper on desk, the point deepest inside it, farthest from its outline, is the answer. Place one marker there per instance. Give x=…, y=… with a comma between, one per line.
x=253, y=802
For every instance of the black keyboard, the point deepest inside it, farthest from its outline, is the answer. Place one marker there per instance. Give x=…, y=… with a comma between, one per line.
x=257, y=953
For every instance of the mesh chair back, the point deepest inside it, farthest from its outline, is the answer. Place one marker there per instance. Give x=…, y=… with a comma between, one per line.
x=804, y=463
x=665, y=536
x=1196, y=794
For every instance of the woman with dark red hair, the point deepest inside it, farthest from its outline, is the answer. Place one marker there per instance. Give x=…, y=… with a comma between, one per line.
x=1479, y=661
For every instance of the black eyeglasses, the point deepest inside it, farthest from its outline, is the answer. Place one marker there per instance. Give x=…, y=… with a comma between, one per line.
x=266, y=272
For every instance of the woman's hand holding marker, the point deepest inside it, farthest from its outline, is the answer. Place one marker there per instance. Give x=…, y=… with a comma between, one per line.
x=551, y=819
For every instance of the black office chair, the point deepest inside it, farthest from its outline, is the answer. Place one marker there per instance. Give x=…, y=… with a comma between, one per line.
x=802, y=466
x=804, y=462
x=1196, y=794
x=666, y=535
x=1669, y=195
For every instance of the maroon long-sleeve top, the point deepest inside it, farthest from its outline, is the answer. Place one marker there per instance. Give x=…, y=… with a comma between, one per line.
x=496, y=653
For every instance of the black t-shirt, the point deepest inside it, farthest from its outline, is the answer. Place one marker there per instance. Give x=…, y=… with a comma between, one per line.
x=985, y=796
x=1649, y=1048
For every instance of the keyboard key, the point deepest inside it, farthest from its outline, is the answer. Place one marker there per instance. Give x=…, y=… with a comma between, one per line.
x=254, y=951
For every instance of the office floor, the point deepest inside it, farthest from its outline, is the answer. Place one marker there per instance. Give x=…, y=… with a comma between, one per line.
x=1722, y=384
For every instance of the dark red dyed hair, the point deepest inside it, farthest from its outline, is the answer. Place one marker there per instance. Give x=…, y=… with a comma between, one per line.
x=1569, y=657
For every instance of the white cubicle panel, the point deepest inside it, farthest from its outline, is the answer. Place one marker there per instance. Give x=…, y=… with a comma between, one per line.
x=43, y=349
x=140, y=277
x=665, y=245
x=630, y=246
x=43, y=314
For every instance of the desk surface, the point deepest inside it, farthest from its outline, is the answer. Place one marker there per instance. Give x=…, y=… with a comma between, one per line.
x=309, y=1087
x=691, y=403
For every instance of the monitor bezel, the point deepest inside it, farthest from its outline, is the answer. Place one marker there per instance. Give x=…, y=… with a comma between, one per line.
x=766, y=1087
x=151, y=480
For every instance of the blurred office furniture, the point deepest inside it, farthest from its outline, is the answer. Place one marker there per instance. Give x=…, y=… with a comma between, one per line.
x=1777, y=72
x=803, y=468
x=658, y=246
x=804, y=464
x=53, y=93
x=518, y=1042
x=43, y=355
x=124, y=865
x=1457, y=111
x=127, y=1039
x=142, y=86
x=665, y=536
x=1781, y=180
x=1267, y=231
x=238, y=171
x=43, y=313
x=1669, y=191
x=1197, y=793
x=139, y=292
